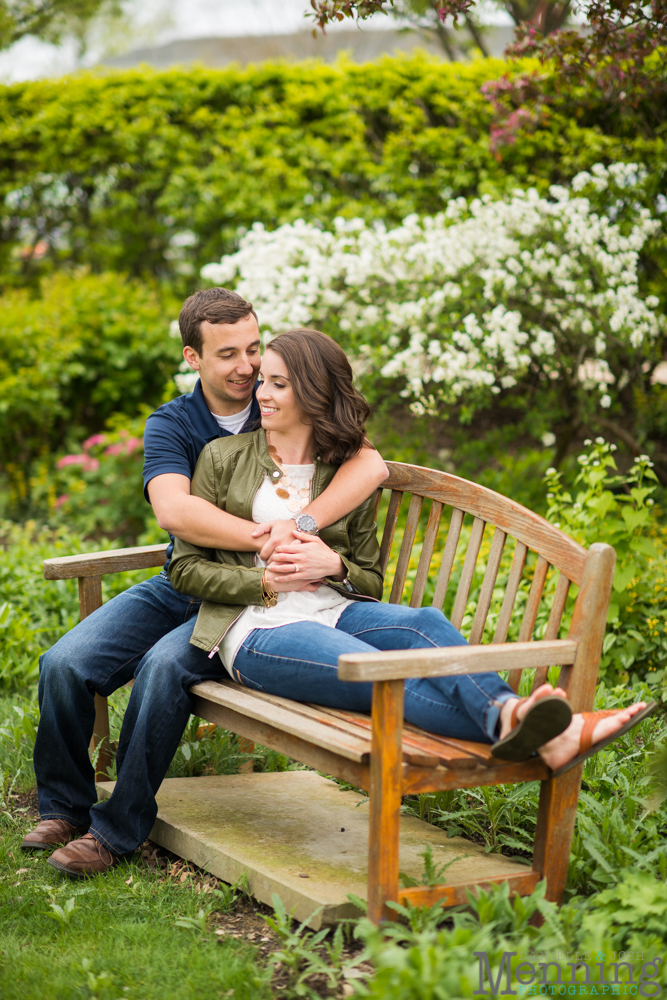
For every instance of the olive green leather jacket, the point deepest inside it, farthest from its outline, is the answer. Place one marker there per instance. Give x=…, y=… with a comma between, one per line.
x=229, y=472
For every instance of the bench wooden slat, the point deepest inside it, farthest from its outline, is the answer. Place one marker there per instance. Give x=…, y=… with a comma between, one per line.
x=448, y=557
x=537, y=534
x=449, y=661
x=101, y=563
x=430, y=536
x=455, y=893
x=511, y=590
x=427, y=744
x=389, y=528
x=468, y=572
x=553, y=625
x=403, y=563
x=488, y=585
x=255, y=706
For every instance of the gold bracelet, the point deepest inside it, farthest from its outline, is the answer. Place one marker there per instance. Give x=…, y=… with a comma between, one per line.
x=268, y=593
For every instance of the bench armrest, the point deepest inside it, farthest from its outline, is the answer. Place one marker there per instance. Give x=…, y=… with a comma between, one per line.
x=401, y=664
x=101, y=563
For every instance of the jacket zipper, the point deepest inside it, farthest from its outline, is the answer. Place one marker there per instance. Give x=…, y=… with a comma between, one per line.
x=216, y=648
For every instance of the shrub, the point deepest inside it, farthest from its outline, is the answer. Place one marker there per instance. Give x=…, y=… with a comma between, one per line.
x=535, y=300
x=154, y=172
x=91, y=346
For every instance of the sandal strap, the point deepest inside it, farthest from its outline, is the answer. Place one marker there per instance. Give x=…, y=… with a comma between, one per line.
x=591, y=720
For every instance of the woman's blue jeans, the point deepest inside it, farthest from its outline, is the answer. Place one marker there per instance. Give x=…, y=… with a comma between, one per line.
x=300, y=661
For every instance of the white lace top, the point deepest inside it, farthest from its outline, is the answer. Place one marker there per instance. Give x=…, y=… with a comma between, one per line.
x=323, y=605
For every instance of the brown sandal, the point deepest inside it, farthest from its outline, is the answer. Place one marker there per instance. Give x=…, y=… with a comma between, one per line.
x=546, y=719
x=586, y=746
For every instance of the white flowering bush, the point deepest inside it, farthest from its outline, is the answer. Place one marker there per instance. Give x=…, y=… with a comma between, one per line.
x=537, y=296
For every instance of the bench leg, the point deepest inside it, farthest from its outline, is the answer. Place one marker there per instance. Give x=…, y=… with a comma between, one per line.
x=555, y=828
x=385, y=798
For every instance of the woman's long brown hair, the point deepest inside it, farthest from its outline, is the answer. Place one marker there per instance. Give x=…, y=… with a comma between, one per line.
x=322, y=382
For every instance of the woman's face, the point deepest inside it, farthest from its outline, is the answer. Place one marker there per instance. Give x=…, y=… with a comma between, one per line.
x=280, y=411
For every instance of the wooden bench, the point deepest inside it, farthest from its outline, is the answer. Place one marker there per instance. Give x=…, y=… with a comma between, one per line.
x=380, y=753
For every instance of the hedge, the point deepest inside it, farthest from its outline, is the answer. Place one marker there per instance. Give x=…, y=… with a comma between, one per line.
x=155, y=173
x=92, y=346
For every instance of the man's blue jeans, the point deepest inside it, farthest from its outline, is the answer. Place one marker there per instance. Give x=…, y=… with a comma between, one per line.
x=143, y=633
x=300, y=661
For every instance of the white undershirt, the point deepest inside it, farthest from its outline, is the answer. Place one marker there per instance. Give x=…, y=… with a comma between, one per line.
x=234, y=423
x=324, y=605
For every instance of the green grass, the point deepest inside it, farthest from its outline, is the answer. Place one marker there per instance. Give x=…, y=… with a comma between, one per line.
x=116, y=940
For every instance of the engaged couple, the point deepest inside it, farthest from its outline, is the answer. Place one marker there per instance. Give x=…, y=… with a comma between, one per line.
x=265, y=480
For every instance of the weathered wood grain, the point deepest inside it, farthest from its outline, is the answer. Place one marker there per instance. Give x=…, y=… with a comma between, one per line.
x=385, y=804
x=488, y=584
x=430, y=536
x=405, y=551
x=519, y=522
x=455, y=893
x=389, y=528
x=292, y=746
x=101, y=563
x=511, y=590
x=417, y=780
x=468, y=572
x=448, y=556
x=553, y=625
x=450, y=660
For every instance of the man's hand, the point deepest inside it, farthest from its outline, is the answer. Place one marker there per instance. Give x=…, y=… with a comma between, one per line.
x=271, y=534
x=306, y=558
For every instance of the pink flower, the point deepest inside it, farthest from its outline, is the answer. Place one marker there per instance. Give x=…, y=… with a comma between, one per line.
x=133, y=444
x=115, y=449
x=70, y=460
x=92, y=441
x=63, y=498
x=87, y=462
x=125, y=447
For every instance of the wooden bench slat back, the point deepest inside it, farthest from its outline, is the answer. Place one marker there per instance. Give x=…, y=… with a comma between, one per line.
x=510, y=521
x=516, y=521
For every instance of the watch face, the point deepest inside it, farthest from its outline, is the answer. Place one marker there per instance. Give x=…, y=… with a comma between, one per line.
x=305, y=522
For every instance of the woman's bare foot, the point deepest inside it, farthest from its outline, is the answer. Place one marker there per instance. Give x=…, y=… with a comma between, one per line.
x=559, y=751
x=508, y=707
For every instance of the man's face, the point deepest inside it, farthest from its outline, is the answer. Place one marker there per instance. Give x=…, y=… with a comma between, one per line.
x=228, y=364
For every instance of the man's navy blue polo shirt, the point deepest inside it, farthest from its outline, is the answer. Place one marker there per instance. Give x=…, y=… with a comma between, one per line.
x=176, y=433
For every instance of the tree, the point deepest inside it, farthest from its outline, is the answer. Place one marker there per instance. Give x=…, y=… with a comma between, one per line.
x=48, y=19
x=618, y=66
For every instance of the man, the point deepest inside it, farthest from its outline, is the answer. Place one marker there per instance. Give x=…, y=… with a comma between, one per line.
x=145, y=632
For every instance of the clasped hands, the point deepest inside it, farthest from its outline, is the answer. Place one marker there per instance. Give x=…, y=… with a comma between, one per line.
x=296, y=560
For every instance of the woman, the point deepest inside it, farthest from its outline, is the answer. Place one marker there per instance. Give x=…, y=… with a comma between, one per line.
x=281, y=628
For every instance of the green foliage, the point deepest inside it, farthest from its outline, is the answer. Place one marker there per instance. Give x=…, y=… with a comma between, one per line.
x=89, y=347
x=47, y=20
x=155, y=172
x=112, y=937
x=36, y=612
x=603, y=506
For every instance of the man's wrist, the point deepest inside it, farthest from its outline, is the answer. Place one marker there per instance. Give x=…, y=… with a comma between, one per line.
x=307, y=524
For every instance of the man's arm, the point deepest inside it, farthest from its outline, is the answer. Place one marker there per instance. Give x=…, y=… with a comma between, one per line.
x=354, y=483
x=199, y=522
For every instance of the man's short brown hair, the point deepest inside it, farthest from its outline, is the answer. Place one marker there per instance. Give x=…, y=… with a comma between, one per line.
x=213, y=305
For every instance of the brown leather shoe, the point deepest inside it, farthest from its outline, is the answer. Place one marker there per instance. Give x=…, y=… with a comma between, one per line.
x=83, y=858
x=51, y=833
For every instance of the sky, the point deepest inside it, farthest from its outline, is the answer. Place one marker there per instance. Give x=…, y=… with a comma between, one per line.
x=156, y=22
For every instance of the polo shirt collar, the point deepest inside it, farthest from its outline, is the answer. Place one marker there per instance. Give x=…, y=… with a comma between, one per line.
x=204, y=421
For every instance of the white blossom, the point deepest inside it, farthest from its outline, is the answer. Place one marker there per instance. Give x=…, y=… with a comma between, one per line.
x=474, y=299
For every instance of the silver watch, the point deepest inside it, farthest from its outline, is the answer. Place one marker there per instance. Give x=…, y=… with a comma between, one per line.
x=307, y=524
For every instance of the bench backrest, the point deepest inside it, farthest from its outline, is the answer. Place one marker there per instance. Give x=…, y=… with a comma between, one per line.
x=508, y=519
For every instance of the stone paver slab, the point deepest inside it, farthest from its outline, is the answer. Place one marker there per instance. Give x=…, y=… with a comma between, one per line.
x=298, y=835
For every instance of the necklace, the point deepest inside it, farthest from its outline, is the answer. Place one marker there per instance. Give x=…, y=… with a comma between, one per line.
x=297, y=498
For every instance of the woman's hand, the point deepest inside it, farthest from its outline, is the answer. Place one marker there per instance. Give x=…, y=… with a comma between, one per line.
x=306, y=558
